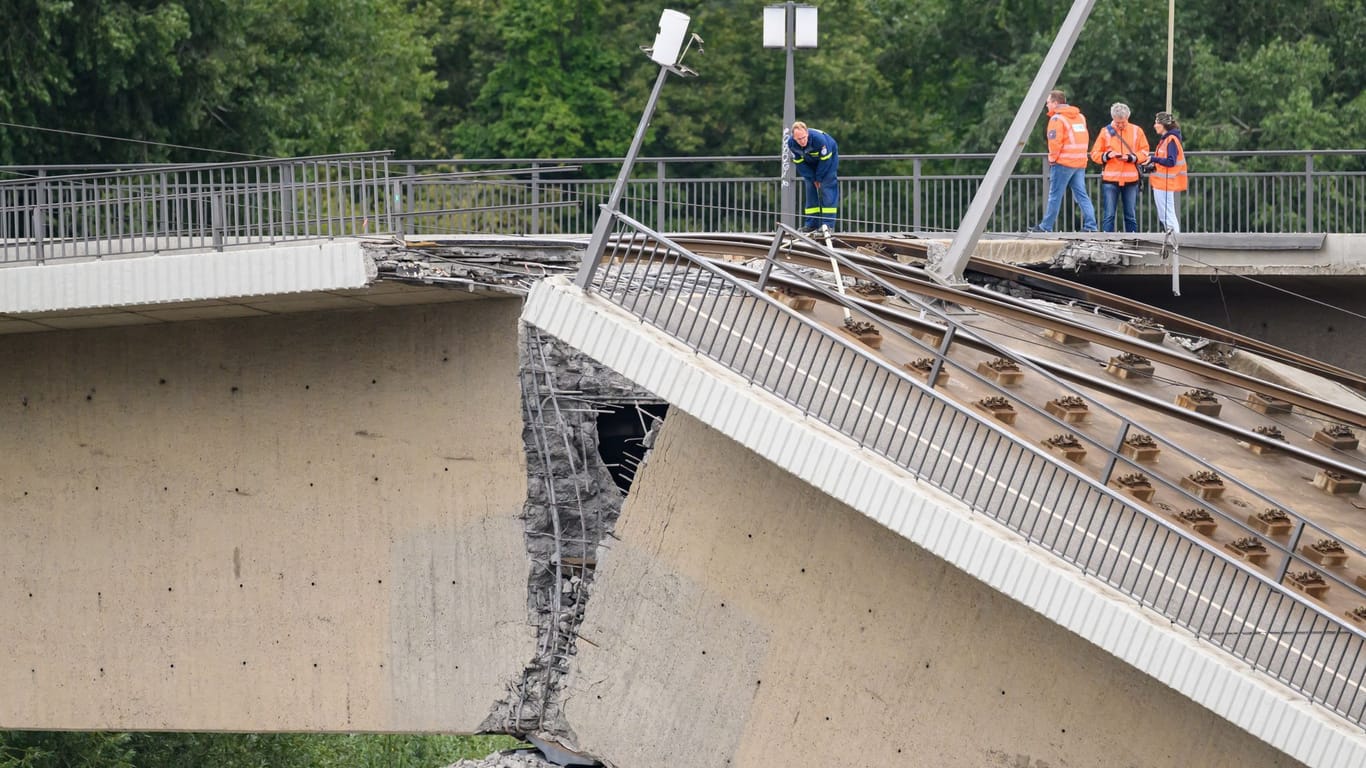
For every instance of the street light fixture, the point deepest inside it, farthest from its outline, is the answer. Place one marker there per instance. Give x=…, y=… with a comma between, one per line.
x=789, y=26
x=667, y=51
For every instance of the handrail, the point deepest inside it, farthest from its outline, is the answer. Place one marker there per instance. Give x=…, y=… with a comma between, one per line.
x=915, y=192
x=143, y=170
x=1078, y=519
x=881, y=192
x=170, y=208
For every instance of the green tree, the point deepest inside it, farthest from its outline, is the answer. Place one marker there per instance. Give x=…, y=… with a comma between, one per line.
x=552, y=91
x=541, y=78
x=265, y=77
x=464, y=47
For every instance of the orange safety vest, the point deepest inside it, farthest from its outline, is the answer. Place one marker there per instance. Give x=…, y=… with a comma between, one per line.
x=1117, y=169
x=1067, y=137
x=1169, y=178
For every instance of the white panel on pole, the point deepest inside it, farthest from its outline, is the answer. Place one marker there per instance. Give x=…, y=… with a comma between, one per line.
x=806, y=26
x=775, y=26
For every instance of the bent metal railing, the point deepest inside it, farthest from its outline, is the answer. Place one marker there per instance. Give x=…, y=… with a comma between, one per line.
x=171, y=208
x=887, y=411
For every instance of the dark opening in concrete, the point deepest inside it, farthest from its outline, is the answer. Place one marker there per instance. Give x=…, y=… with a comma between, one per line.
x=621, y=436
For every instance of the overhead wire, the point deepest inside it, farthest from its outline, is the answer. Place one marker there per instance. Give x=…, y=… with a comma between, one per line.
x=134, y=141
x=1326, y=305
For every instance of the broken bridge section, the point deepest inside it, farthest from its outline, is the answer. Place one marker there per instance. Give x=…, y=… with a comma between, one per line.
x=574, y=496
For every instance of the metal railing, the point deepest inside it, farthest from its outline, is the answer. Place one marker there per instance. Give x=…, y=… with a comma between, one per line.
x=63, y=211
x=1251, y=192
x=889, y=412
x=169, y=208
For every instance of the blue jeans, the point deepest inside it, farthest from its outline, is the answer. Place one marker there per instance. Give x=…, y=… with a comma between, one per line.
x=1061, y=177
x=1109, y=191
x=823, y=205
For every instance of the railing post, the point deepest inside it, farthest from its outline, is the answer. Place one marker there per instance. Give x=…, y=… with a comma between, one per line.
x=386, y=188
x=166, y=226
x=660, y=173
x=1308, y=193
x=940, y=354
x=772, y=257
x=217, y=214
x=916, y=220
x=288, y=226
x=1294, y=542
x=39, y=219
x=409, y=199
x=1114, y=452
x=535, y=199
x=1047, y=178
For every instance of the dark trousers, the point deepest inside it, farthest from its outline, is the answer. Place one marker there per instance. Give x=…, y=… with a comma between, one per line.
x=1110, y=193
x=823, y=205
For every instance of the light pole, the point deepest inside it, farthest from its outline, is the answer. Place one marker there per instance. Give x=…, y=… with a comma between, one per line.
x=789, y=26
x=1171, y=34
x=667, y=52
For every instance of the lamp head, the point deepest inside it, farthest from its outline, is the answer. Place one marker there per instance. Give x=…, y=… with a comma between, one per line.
x=668, y=46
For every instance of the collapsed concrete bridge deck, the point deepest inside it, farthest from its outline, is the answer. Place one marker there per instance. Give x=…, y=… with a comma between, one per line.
x=315, y=519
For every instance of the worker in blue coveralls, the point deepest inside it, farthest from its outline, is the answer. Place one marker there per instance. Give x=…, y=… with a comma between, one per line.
x=817, y=158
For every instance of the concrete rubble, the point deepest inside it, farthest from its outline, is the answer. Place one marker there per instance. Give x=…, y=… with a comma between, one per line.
x=572, y=504
x=474, y=264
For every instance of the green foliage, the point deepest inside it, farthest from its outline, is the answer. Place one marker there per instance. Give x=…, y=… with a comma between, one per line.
x=29, y=749
x=269, y=77
x=565, y=78
x=1271, y=97
x=552, y=92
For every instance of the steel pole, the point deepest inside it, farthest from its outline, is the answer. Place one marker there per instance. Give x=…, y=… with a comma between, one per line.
x=1171, y=34
x=949, y=269
x=789, y=187
x=597, y=244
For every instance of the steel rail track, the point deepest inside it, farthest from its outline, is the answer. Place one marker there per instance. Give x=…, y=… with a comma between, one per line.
x=897, y=315
x=1133, y=308
x=983, y=300
x=1119, y=305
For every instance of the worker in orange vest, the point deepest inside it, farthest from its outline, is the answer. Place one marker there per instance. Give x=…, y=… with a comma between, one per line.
x=1120, y=148
x=1067, y=138
x=1168, y=165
